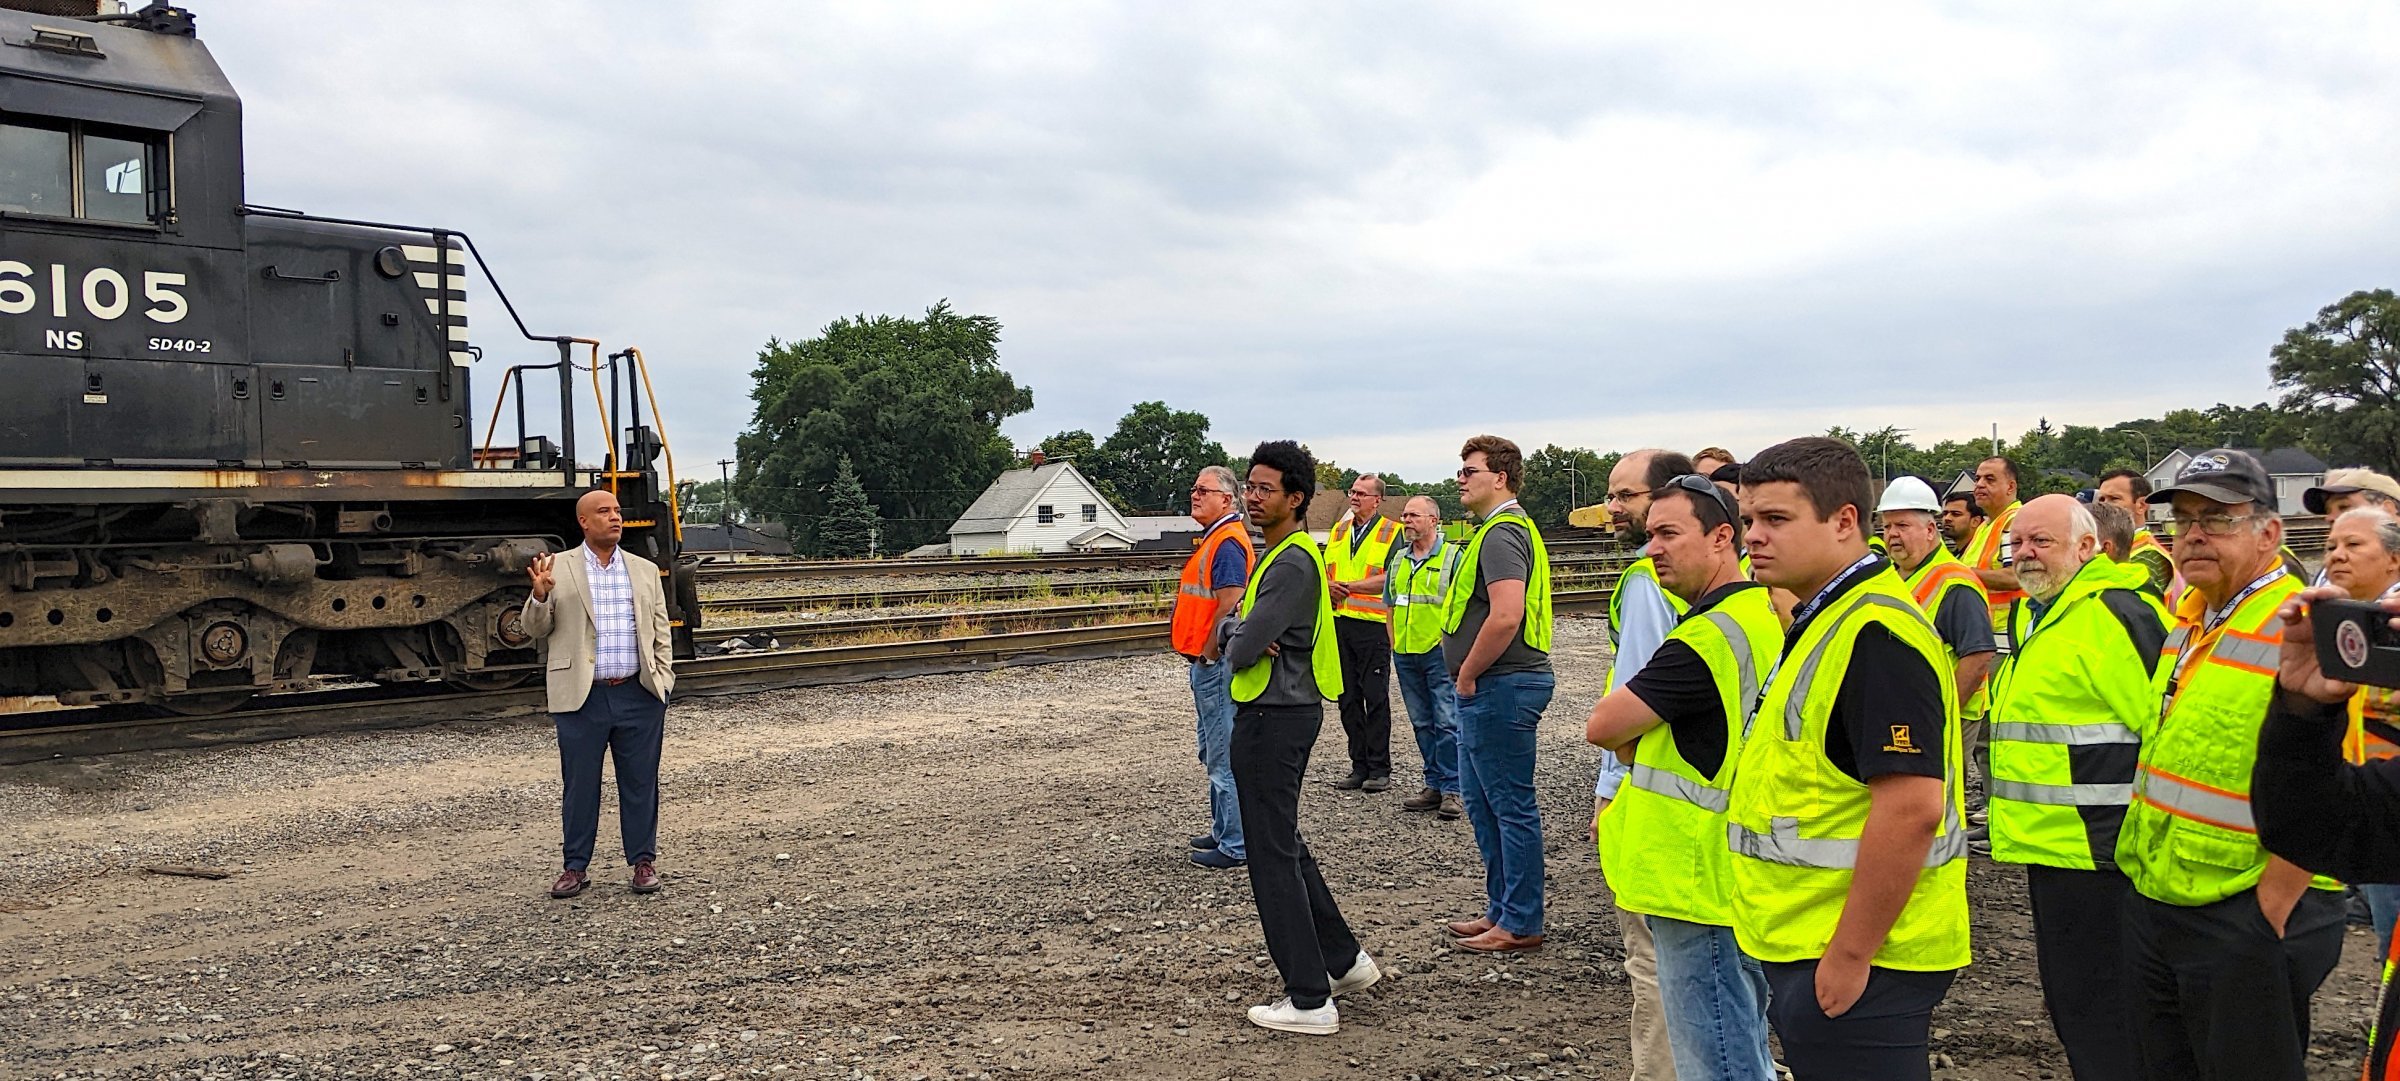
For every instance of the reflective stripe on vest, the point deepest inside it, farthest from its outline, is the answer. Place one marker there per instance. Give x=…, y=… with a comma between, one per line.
x=1784, y=844
x=2063, y=795
x=1660, y=782
x=2065, y=735
x=2193, y=800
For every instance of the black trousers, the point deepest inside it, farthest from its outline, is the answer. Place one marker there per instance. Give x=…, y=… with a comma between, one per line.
x=1884, y=1036
x=1366, y=701
x=1305, y=931
x=2216, y=996
x=625, y=722
x=2079, y=943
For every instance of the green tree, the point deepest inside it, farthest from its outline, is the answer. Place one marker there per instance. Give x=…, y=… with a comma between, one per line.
x=705, y=501
x=1559, y=479
x=1073, y=443
x=915, y=403
x=849, y=526
x=2341, y=374
x=1150, y=460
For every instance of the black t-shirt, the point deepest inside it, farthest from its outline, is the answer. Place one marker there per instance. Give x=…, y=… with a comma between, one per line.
x=1677, y=686
x=1888, y=716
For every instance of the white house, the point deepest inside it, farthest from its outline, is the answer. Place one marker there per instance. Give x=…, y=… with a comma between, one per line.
x=2293, y=470
x=1043, y=506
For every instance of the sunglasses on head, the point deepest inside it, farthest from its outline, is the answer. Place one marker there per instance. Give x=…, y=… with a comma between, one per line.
x=1694, y=482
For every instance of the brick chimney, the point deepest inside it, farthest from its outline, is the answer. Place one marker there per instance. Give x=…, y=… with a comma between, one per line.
x=1036, y=459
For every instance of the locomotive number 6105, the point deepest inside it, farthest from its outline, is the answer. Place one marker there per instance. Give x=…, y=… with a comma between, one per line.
x=105, y=293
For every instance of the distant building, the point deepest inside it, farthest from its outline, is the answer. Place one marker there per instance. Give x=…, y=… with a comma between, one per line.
x=1043, y=506
x=2293, y=470
x=762, y=539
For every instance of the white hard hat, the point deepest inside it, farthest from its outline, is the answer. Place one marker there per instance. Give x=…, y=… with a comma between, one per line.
x=1908, y=493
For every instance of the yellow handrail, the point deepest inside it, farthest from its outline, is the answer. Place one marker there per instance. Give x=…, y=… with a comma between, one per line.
x=608, y=431
x=674, y=512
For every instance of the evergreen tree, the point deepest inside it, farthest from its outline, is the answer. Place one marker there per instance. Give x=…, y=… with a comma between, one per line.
x=848, y=530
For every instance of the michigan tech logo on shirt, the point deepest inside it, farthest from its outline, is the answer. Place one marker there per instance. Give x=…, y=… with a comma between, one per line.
x=1903, y=741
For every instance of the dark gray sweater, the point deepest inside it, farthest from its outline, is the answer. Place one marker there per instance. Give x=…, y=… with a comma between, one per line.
x=1283, y=613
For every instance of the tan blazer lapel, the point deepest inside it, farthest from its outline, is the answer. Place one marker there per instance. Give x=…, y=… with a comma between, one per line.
x=583, y=589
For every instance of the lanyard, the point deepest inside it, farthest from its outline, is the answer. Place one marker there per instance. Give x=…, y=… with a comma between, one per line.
x=2212, y=627
x=2219, y=616
x=1801, y=615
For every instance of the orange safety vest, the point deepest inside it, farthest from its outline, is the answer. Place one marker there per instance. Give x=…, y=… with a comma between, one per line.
x=1983, y=554
x=1343, y=565
x=2360, y=746
x=1195, y=603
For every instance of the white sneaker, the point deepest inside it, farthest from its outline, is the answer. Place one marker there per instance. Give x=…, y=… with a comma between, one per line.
x=1362, y=975
x=1285, y=1017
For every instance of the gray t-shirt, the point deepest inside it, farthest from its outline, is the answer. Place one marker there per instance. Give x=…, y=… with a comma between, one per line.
x=1507, y=556
x=1964, y=623
x=1284, y=613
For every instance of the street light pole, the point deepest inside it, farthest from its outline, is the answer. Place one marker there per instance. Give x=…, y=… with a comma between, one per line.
x=1572, y=501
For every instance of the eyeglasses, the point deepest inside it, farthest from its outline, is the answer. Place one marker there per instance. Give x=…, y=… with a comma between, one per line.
x=1695, y=483
x=1198, y=492
x=1466, y=472
x=1627, y=496
x=2215, y=525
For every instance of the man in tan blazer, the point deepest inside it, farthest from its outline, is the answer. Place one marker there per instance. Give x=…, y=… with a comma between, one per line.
x=601, y=616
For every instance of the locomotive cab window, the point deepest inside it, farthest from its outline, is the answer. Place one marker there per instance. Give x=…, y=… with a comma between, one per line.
x=73, y=170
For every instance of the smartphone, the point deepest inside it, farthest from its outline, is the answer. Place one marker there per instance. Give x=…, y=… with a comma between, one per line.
x=2356, y=643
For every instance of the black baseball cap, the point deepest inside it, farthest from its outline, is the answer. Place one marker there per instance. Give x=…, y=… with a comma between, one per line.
x=2225, y=475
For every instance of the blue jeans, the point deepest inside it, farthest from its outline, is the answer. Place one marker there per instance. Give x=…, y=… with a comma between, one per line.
x=1716, y=1002
x=1495, y=770
x=1433, y=712
x=2383, y=903
x=1212, y=699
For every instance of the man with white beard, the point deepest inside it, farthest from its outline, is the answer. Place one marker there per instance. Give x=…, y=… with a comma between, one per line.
x=2069, y=710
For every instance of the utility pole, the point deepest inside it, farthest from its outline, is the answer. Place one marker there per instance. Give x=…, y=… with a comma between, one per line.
x=725, y=494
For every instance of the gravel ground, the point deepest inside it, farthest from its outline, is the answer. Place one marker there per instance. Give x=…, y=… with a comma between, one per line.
x=946, y=877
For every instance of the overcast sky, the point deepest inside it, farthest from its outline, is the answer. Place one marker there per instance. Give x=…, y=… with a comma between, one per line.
x=1383, y=227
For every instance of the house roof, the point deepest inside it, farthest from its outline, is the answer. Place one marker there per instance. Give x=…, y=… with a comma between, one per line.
x=1097, y=532
x=1011, y=495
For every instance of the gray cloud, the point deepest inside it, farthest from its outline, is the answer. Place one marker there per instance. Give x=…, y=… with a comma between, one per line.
x=1574, y=225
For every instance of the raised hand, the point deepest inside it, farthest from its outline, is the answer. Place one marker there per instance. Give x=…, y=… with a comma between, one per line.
x=542, y=578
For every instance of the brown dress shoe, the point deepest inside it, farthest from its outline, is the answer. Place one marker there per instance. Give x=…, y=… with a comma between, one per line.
x=1426, y=799
x=1451, y=807
x=1470, y=928
x=569, y=884
x=645, y=878
x=1497, y=940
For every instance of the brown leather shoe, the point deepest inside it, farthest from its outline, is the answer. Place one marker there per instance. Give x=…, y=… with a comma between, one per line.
x=569, y=884
x=1426, y=799
x=1470, y=928
x=645, y=878
x=1497, y=940
x=1451, y=807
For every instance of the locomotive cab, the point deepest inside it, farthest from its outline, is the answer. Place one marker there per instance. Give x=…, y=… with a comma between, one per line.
x=237, y=448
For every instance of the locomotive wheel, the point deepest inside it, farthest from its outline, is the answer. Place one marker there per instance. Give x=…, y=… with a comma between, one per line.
x=207, y=705
x=488, y=681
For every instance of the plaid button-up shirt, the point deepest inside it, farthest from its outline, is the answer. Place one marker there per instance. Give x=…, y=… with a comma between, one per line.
x=616, y=647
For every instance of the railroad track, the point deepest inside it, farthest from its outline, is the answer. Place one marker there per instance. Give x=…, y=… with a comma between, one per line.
x=1592, y=551
x=110, y=730
x=791, y=633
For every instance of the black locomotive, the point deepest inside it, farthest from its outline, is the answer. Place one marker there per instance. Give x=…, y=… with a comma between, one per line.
x=238, y=446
